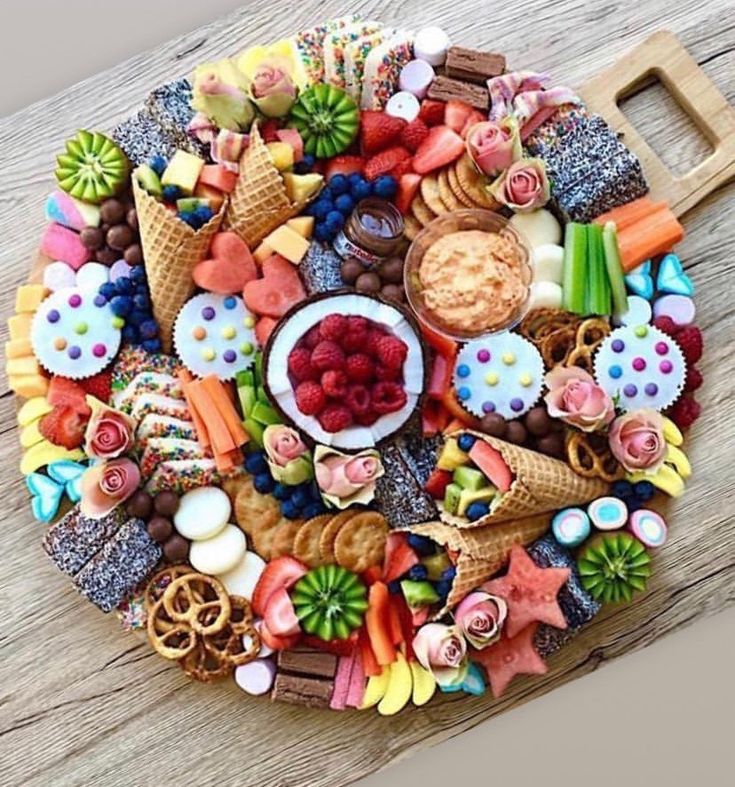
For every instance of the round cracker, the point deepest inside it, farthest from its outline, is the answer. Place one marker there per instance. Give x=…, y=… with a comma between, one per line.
x=329, y=534
x=306, y=543
x=422, y=211
x=429, y=189
x=252, y=508
x=232, y=484
x=457, y=189
x=473, y=183
x=445, y=192
x=262, y=536
x=360, y=542
x=284, y=536
x=411, y=226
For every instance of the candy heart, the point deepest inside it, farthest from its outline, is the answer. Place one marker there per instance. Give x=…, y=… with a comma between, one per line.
x=473, y=683
x=46, y=496
x=69, y=474
x=639, y=281
x=278, y=290
x=671, y=277
x=230, y=267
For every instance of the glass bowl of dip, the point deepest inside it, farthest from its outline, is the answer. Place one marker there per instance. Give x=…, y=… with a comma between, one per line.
x=469, y=274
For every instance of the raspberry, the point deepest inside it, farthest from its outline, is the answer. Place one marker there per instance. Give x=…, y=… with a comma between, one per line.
x=353, y=340
x=334, y=383
x=388, y=397
x=310, y=398
x=371, y=340
x=386, y=375
x=327, y=355
x=685, y=412
x=694, y=379
x=333, y=327
x=99, y=386
x=358, y=400
x=312, y=338
x=357, y=324
x=360, y=368
x=391, y=352
x=666, y=324
x=299, y=365
x=367, y=419
x=335, y=418
x=689, y=340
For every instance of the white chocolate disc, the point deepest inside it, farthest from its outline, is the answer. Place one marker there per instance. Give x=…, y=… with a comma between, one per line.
x=242, y=578
x=202, y=513
x=219, y=554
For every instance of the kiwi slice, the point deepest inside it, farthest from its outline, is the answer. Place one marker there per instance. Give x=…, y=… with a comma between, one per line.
x=329, y=602
x=327, y=119
x=92, y=167
x=613, y=567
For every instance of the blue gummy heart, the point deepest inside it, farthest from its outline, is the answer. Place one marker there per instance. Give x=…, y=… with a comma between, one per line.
x=671, y=277
x=46, y=496
x=65, y=470
x=640, y=282
x=74, y=489
x=474, y=682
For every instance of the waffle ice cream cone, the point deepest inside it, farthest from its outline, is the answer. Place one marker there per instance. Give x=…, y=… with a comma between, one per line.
x=171, y=249
x=541, y=485
x=259, y=202
x=482, y=551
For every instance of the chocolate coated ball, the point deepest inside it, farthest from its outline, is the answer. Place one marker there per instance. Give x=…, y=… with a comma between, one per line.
x=392, y=292
x=494, y=425
x=368, y=282
x=132, y=219
x=516, y=433
x=120, y=237
x=166, y=503
x=176, y=548
x=552, y=444
x=391, y=270
x=350, y=270
x=133, y=254
x=107, y=256
x=538, y=422
x=112, y=211
x=160, y=529
x=140, y=505
x=92, y=238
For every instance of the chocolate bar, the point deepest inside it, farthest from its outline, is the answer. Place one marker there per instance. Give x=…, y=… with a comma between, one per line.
x=473, y=65
x=306, y=661
x=445, y=89
x=398, y=494
x=299, y=690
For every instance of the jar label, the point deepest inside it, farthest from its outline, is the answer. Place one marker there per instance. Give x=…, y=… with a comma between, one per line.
x=346, y=248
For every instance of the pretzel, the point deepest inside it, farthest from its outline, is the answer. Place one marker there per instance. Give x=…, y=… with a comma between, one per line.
x=161, y=580
x=590, y=335
x=206, y=662
x=589, y=455
x=171, y=639
x=199, y=600
x=540, y=323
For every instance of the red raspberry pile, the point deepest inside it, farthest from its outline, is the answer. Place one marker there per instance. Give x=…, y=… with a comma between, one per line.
x=348, y=370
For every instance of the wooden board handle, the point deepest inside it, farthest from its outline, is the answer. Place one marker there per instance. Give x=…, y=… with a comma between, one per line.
x=664, y=57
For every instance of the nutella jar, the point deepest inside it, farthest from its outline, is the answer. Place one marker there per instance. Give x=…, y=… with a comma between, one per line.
x=371, y=233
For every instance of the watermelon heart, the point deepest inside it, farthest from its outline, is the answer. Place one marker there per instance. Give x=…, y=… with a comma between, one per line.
x=278, y=290
x=230, y=267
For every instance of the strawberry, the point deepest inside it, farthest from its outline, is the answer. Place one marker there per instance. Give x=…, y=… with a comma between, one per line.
x=338, y=647
x=432, y=112
x=268, y=130
x=283, y=572
x=456, y=114
x=99, y=386
x=310, y=398
x=378, y=130
x=343, y=165
x=408, y=186
x=63, y=392
x=440, y=148
x=383, y=163
x=279, y=615
x=414, y=134
x=402, y=168
x=274, y=642
x=63, y=426
x=473, y=118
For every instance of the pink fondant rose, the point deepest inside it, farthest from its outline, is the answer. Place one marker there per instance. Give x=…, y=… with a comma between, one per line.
x=107, y=484
x=480, y=616
x=272, y=88
x=345, y=479
x=442, y=650
x=523, y=186
x=637, y=440
x=109, y=433
x=288, y=457
x=494, y=146
x=577, y=399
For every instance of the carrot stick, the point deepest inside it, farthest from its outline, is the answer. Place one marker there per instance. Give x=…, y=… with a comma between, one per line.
x=214, y=388
x=396, y=632
x=625, y=216
x=656, y=234
x=377, y=622
x=369, y=662
x=222, y=442
x=199, y=426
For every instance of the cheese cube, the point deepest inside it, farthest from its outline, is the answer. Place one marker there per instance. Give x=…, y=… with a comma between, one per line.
x=183, y=171
x=304, y=225
x=288, y=244
x=262, y=253
x=28, y=297
x=28, y=385
x=19, y=325
x=18, y=348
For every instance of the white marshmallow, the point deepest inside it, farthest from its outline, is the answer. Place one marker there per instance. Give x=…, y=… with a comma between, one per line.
x=431, y=44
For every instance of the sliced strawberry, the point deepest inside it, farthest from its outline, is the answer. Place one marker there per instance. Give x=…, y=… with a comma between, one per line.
x=456, y=114
x=402, y=168
x=63, y=392
x=472, y=119
x=414, y=134
x=432, y=112
x=441, y=147
x=378, y=130
x=408, y=185
x=384, y=162
x=269, y=130
x=344, y=165
x=64, y=426
x=99, y=386
x=281, y=573
x=274, y=642
x=339, y=647
x=279, y=616
x=399, y=557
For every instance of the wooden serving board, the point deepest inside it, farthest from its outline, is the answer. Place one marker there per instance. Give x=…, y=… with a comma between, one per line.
x=663, y=57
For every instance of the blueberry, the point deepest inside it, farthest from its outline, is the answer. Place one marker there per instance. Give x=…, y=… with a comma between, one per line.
x=171, y=193
x=465, y=442
x=321, y=207
x=449, y=573
x=205, y=213
x=312, y=510
x=108, y=290
x=418, y=572
x=338, y=184
x=263, y=483
x=309, y=160
x=308, y=210
x=344, y=204
x=322, y=233
x=185, y=216
x=289, y=510
x=148, y=329
x=280, y=491
x=421, y=545
x=137, y=274
x=157, y=164
x=644, y=490
x=633, y=504
x=123, y=286
x=255, y=463
x=394, y=587
x=193, y=220
x=334, y=221
x=141, y=301
x=130, y=334
x=300, y=496
x=442, y=587
x=152, y=345
x=121, y=305
x=137, y=317
x=622, y=489
x=477, y=510
x=361, y=189
x=354, y=178
x=385, y=187
x=300, y=168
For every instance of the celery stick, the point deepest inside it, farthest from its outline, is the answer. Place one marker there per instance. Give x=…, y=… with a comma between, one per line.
x=598, y=288
x=575, y=267
x=614, y=268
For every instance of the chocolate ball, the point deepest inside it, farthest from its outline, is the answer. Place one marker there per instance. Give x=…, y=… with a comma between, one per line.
x=494, y=425
x=368, y=282
x=176, y=548
x=112, y=211
x=350, y=270
x=392, y=292
x=140, y=505
x=538, y=422
x=166, y=503
x=133, y=254
x=107, y=255
x=516, y=433
x=552, y=444
x=391, y=270
x=92, y=238
x=120, y=237
x=132, y=219
x=160, y=529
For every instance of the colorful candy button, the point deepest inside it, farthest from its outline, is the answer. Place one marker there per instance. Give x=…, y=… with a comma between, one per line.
x=608, y=513
x=571, y=527
x=648, y=527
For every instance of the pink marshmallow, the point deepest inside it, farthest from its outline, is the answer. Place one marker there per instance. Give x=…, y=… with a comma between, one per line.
x=256, y=677
x=416, y=77
x=64, y=244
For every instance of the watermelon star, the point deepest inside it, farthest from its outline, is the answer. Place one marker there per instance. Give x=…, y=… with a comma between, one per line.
x=530, y=592
x=510, y=657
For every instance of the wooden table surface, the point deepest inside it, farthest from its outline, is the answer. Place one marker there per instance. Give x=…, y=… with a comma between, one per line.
x=83, y=703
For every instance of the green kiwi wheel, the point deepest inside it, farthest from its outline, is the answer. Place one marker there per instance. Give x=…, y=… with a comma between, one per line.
x=92, y=167
x=613, y=567
x=327, y=119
